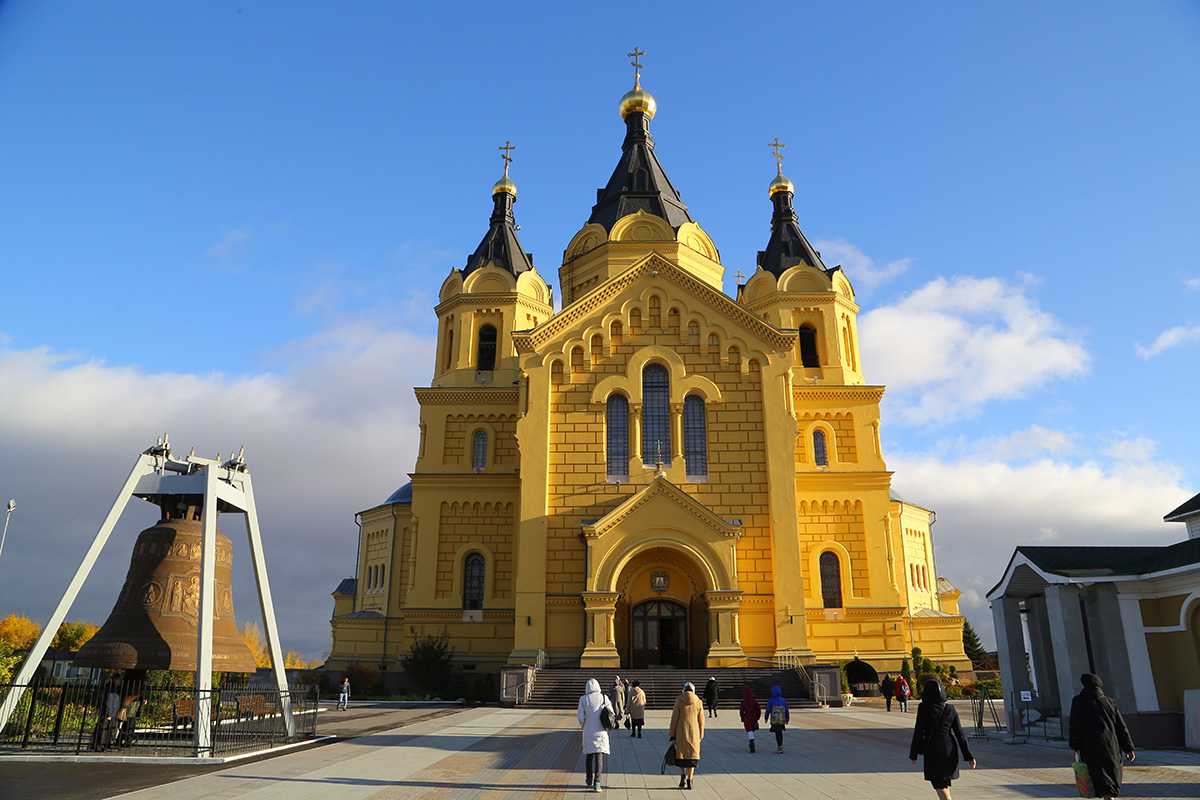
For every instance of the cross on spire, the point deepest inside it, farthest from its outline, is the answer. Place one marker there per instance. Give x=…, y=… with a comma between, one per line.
x=505, y=153
x=740, y=276
x=635, y=56
x=777, y=151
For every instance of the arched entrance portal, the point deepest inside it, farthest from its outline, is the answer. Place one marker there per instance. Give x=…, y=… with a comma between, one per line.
x=660, y=635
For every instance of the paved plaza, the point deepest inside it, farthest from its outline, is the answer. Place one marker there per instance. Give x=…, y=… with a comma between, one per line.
x=511, y=753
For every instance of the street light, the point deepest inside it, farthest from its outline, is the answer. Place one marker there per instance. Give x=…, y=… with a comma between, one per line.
x=12, y=504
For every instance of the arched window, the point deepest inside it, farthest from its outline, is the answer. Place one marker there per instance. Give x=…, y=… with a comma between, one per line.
x=831, y=580
x=449, y=346
x=485, y=357
x=617, y=425
x=820, y=450
x=380, y=580
x=656, y=415
x=473, y=571
x=808, y=347
x=479, y=447
x=695, y=437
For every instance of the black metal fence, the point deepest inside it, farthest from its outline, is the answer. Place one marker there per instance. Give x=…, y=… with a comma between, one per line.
x=137, y=719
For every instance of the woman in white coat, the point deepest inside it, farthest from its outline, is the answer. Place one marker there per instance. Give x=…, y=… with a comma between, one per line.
x=595, y=736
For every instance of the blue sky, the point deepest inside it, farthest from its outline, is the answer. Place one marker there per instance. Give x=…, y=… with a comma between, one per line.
x=259, y=200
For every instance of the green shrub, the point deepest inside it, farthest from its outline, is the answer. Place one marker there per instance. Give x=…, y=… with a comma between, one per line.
x=428, y=664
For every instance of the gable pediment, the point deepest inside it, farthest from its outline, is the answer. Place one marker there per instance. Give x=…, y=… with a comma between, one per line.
x=662, y=500
x=653, y=272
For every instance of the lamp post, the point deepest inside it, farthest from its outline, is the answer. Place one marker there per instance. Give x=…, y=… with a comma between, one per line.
x=12, y=504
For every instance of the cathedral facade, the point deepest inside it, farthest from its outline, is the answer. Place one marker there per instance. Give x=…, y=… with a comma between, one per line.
x=657, y=474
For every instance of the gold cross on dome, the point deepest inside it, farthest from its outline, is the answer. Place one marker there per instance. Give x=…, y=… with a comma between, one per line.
x=635, y=56
x=505, y=153
x=777, y=150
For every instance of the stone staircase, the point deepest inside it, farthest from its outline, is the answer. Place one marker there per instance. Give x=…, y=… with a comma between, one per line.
x=561, y=688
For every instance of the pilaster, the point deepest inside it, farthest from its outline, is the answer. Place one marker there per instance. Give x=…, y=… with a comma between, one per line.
x=600, y=609
x=724, y=644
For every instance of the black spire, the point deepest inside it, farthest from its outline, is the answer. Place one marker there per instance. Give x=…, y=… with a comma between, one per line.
x=788, y=245
x=500, y=245
x=639, y=182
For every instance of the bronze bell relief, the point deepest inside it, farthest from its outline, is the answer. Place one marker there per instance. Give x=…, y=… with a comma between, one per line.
x=154, y=622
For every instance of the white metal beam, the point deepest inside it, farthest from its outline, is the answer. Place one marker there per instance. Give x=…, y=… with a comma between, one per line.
x=144, y=465
x=259, y=561
x=202, y=726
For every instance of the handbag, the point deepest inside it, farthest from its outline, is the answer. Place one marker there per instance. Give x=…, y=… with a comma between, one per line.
x=669, y=757
x=608, y=718
x=1083, y=780
x=628, y=723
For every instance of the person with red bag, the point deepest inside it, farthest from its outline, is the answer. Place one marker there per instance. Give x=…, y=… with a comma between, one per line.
x=903, y=692
x=749, y=712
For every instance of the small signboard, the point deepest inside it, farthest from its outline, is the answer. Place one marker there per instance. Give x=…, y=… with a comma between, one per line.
x=1026, y=696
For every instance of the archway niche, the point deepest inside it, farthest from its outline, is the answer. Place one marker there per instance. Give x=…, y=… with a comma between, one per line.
x=662, y=614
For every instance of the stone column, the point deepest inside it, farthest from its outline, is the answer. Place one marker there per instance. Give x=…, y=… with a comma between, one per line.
x=601, y=649
x=1066, y=637
x=676, y=433
x=529, y=548
x=724, y=648
x=1041, y=653
x=1010, y=647
x=635, y=444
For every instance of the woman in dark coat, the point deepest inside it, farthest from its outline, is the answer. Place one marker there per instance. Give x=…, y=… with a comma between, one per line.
x=711, y=695
x=939, y=737
x=1099, y=736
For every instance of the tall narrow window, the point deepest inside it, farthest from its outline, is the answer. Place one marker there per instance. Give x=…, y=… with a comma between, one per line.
x=695, y=437
x=831, y=580
x=473, y=571
x=808, y=347
x=656, y=415
x=479, y=445
x=485, y=357
x=449, y=347
x=820, y=450
x=617, y=424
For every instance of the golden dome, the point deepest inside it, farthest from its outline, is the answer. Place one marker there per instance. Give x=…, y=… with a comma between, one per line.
x=780, y=184
x=505, y=184
x=638, y=99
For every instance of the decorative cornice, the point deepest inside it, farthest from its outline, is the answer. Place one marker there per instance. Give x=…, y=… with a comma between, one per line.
x=491, y=299
x=855, y=613
x=454, y=614
x=453, y=396
x=661, y=487
x=817, y=392
x=576, y=313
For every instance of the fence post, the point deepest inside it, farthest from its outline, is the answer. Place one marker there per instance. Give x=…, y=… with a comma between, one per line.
x=33, y=692
x=58, y=717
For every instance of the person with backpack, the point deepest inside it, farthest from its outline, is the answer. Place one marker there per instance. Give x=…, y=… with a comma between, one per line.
x=903, y=692
x=596, y=718
x=887, y=688
x=778, y=715
x=712, y=694
x=686, y=732
x=938, y=736
x=637, y=709
x=749, y=712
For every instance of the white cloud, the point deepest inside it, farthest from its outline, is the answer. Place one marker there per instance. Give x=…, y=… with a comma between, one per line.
x=859, y=267
x=986, y=507
x=231, y=244
x=1171, y=337
x=1132, y=448
x=1192, y=283
x=951, y=346
x=1023, y=445
x=330, y=430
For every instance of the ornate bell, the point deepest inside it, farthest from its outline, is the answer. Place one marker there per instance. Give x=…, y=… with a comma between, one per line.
x=154, y=622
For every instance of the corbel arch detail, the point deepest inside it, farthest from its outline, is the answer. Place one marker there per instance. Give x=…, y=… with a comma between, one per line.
x=682, y=384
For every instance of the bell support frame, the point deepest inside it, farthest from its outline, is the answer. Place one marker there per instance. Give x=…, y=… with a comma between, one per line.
x=223, y=487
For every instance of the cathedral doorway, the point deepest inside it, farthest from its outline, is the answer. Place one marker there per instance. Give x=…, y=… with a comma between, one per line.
x=660, y=634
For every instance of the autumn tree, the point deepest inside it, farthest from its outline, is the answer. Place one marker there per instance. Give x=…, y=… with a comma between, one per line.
x=20, y=632
x=253, y=638
x=71, y=636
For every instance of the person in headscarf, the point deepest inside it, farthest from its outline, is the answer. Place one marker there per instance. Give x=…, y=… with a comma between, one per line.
x=1099, y=736
x=686, y=731
x=617, y=696
x=637, y=708
x=712, y=693
x=938, y=736
x=749, y=712
x=595, y=735
x=778, y=715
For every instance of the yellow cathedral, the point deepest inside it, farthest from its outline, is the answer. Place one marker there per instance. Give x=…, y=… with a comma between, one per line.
x=655, y=475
